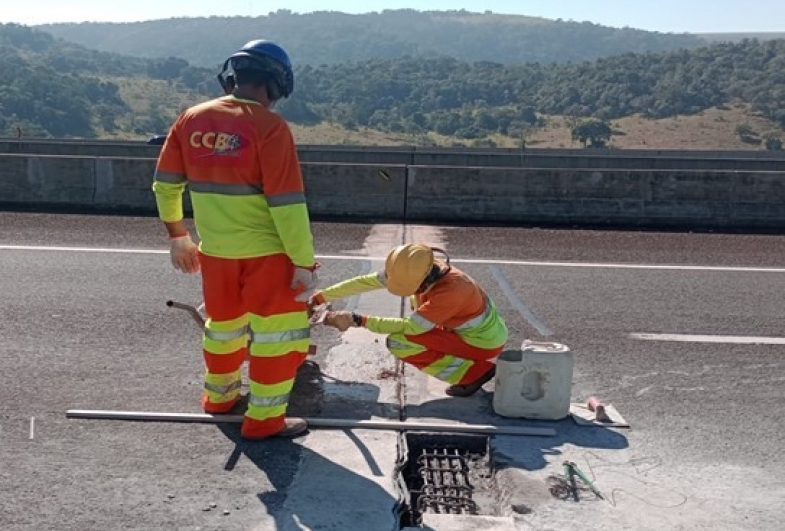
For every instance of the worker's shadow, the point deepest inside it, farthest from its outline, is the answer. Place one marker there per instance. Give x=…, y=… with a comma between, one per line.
x=528, y=452
x=309, y=491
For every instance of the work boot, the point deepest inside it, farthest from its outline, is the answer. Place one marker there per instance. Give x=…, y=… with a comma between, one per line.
x=295, y=427
x=471, y=388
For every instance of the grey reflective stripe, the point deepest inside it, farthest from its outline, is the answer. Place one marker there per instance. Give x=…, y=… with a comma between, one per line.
x=223, y=389
x=168, y=177
x=421, y=321
x=280, y=337
x=476, y=321
x=227, y=335
x=452, y=368
x=393, y=344
x=382, y=277
x=225, y=188
x=268, y=401
x=293, y=198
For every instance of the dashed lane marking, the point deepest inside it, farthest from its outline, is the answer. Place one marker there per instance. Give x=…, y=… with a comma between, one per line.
x=699, y=338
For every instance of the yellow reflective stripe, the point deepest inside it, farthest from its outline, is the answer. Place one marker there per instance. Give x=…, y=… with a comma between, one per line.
x=272, y=350
x=224, y=347
x=221, y=388
x=449, y=369
x=422, y=322
x=280, y=334
x=267, y=390
x=169, y=177
x=225, y=188
x=291, y=198
x=235, y=340
x=264, y=413
x=281, y=337
x=476, y=321
x=491, y=333
x=403, y=348
x=226, y=336
x=267, y=400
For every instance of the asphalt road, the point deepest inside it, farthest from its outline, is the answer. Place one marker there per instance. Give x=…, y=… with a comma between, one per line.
x=90, y=330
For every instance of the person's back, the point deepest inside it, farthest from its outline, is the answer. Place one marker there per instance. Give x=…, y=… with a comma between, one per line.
x=236, y=154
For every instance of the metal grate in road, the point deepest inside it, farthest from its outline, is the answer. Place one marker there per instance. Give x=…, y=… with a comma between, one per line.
x=446, y=488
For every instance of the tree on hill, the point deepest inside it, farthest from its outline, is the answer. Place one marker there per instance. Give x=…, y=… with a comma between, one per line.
x=592, y=133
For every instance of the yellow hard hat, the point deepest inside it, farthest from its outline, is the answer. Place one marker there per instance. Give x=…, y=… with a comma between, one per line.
x=406, y=268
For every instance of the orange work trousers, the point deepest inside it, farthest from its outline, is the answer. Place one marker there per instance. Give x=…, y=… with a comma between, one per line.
x=255, y=291
x=440, y=343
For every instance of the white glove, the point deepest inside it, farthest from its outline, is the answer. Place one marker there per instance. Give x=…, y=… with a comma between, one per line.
x=184, y=254
x=304, y=281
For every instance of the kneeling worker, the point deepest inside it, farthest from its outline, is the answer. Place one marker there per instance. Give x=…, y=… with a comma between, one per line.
x=455, y=329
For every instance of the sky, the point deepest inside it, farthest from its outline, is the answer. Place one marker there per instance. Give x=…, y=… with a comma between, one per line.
x=677, y=16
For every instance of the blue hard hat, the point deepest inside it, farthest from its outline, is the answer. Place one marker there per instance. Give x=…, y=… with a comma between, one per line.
x=266, y=56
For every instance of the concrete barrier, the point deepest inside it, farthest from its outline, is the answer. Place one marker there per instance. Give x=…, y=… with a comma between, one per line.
x=123, y=185
x=512, y=196
x=644, y=198
x=751, y=160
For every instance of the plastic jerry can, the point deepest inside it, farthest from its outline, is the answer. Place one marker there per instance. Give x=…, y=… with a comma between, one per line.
x=534, y=382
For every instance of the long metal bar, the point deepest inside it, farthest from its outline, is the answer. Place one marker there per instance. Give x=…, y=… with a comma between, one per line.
x=315, y=422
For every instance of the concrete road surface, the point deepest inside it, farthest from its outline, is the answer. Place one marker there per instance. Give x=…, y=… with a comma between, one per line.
x=683, y=333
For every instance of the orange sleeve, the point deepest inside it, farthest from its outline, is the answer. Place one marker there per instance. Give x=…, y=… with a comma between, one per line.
x=170, y=159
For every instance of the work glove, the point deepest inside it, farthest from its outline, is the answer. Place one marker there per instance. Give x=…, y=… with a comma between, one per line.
x=184, y=254
x=304, y=281
x=312, y=303
x=341, y=320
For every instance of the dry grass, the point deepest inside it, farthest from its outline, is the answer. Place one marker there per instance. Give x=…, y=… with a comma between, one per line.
x=711, y=129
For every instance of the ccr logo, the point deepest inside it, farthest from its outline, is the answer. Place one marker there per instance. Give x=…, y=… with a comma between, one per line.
x=217, y=142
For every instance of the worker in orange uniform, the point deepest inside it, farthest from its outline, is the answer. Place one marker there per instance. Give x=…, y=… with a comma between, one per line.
x=256, y=252
x=455, y=330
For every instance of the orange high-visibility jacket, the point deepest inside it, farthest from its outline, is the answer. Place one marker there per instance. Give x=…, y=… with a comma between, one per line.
x=455, y=302
x=240, y=164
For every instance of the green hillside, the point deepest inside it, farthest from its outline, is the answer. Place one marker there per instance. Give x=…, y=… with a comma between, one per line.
x=65, y=90
x=332, y=37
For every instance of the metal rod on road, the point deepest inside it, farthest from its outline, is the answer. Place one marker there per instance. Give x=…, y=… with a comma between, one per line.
x=192, y=310
x=316, y=422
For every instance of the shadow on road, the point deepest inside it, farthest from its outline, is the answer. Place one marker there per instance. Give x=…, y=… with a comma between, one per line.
x=531, y=453
x=311, y=491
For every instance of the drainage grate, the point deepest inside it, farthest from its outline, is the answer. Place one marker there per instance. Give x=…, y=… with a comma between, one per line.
x=445, y=482
x=444, y=474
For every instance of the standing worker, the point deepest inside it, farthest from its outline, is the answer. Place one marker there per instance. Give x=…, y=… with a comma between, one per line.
x=455, y=330
x=256, y=252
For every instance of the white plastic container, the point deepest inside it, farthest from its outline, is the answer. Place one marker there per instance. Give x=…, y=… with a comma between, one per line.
x=534, y=382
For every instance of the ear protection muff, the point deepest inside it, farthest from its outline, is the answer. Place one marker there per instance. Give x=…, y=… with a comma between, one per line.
x=228, y=82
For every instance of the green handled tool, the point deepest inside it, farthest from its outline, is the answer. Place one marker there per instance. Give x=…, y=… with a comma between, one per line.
x=571, y=468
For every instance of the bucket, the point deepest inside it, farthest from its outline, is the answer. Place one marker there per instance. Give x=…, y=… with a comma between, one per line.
x=534, y=382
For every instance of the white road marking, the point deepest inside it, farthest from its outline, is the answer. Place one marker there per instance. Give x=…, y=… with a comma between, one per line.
x=32, y=428
x=516, y=302
x=533, y=263
x=698, y=338
x=81, y=249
